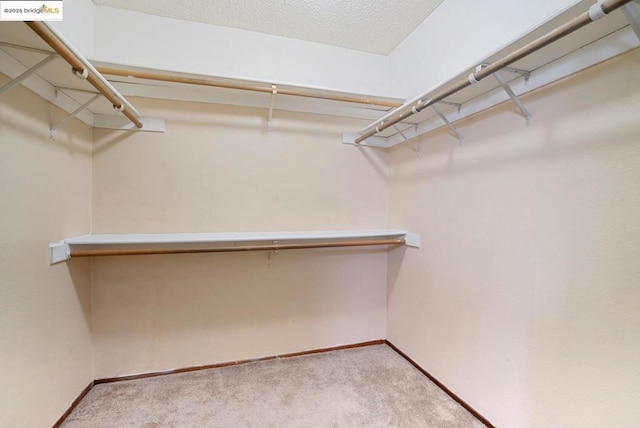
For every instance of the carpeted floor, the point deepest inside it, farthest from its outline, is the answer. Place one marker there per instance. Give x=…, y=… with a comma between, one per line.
x=371, y=386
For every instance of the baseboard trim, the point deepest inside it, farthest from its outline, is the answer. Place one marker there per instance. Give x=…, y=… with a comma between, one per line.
x=75, y=402
x=440, y=385
x=236, y=363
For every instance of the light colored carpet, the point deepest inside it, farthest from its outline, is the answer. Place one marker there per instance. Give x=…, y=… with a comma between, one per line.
x=371, y=386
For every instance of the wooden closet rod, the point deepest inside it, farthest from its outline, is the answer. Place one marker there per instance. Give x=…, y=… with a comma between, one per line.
x=204, y=82
x=269, y=247
x=83, y=68
x=597, y=11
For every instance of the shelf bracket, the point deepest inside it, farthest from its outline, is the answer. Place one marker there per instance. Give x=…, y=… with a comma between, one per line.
x=414, y=147
x=513, y=96
x=631, y=11
x=412, y=240
x=71, y=115
x=446, y=121
x=449, y=103
x=524, y=73
x=274, y=92
x=508, y=90
x=59, y=252
x=28, y=72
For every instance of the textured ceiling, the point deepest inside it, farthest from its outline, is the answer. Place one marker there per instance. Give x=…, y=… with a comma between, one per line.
x=375, y=26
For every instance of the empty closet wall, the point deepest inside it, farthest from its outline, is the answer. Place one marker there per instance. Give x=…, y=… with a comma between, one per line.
x=217, y=169
x=524, y=297
x=45, y=341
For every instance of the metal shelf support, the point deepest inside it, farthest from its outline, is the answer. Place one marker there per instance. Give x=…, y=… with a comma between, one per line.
x=524, y=73
x=414, y=147
x=513, y=96
x=71, y=115
x=458, y=106
x=446, y=121
x=27, y=73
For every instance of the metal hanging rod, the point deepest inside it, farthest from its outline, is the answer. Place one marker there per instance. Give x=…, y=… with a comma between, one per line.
x=83, y=68
x=416, y=105
x=245, y=87
x=269, y=247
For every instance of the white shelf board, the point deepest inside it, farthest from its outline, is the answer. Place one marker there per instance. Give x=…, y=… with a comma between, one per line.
x=61, y=251
x=225, y=237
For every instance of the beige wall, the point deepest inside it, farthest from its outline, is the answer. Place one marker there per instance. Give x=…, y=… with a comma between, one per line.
x=525, y=297
x=45, y=342
x=217, y=169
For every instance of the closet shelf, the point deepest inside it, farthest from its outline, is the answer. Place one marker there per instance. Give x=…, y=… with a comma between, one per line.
x=566, y=44
x=177, y=243
x=82, y=91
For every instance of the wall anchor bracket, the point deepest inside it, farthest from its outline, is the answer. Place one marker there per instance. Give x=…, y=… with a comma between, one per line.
x=446, y=121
